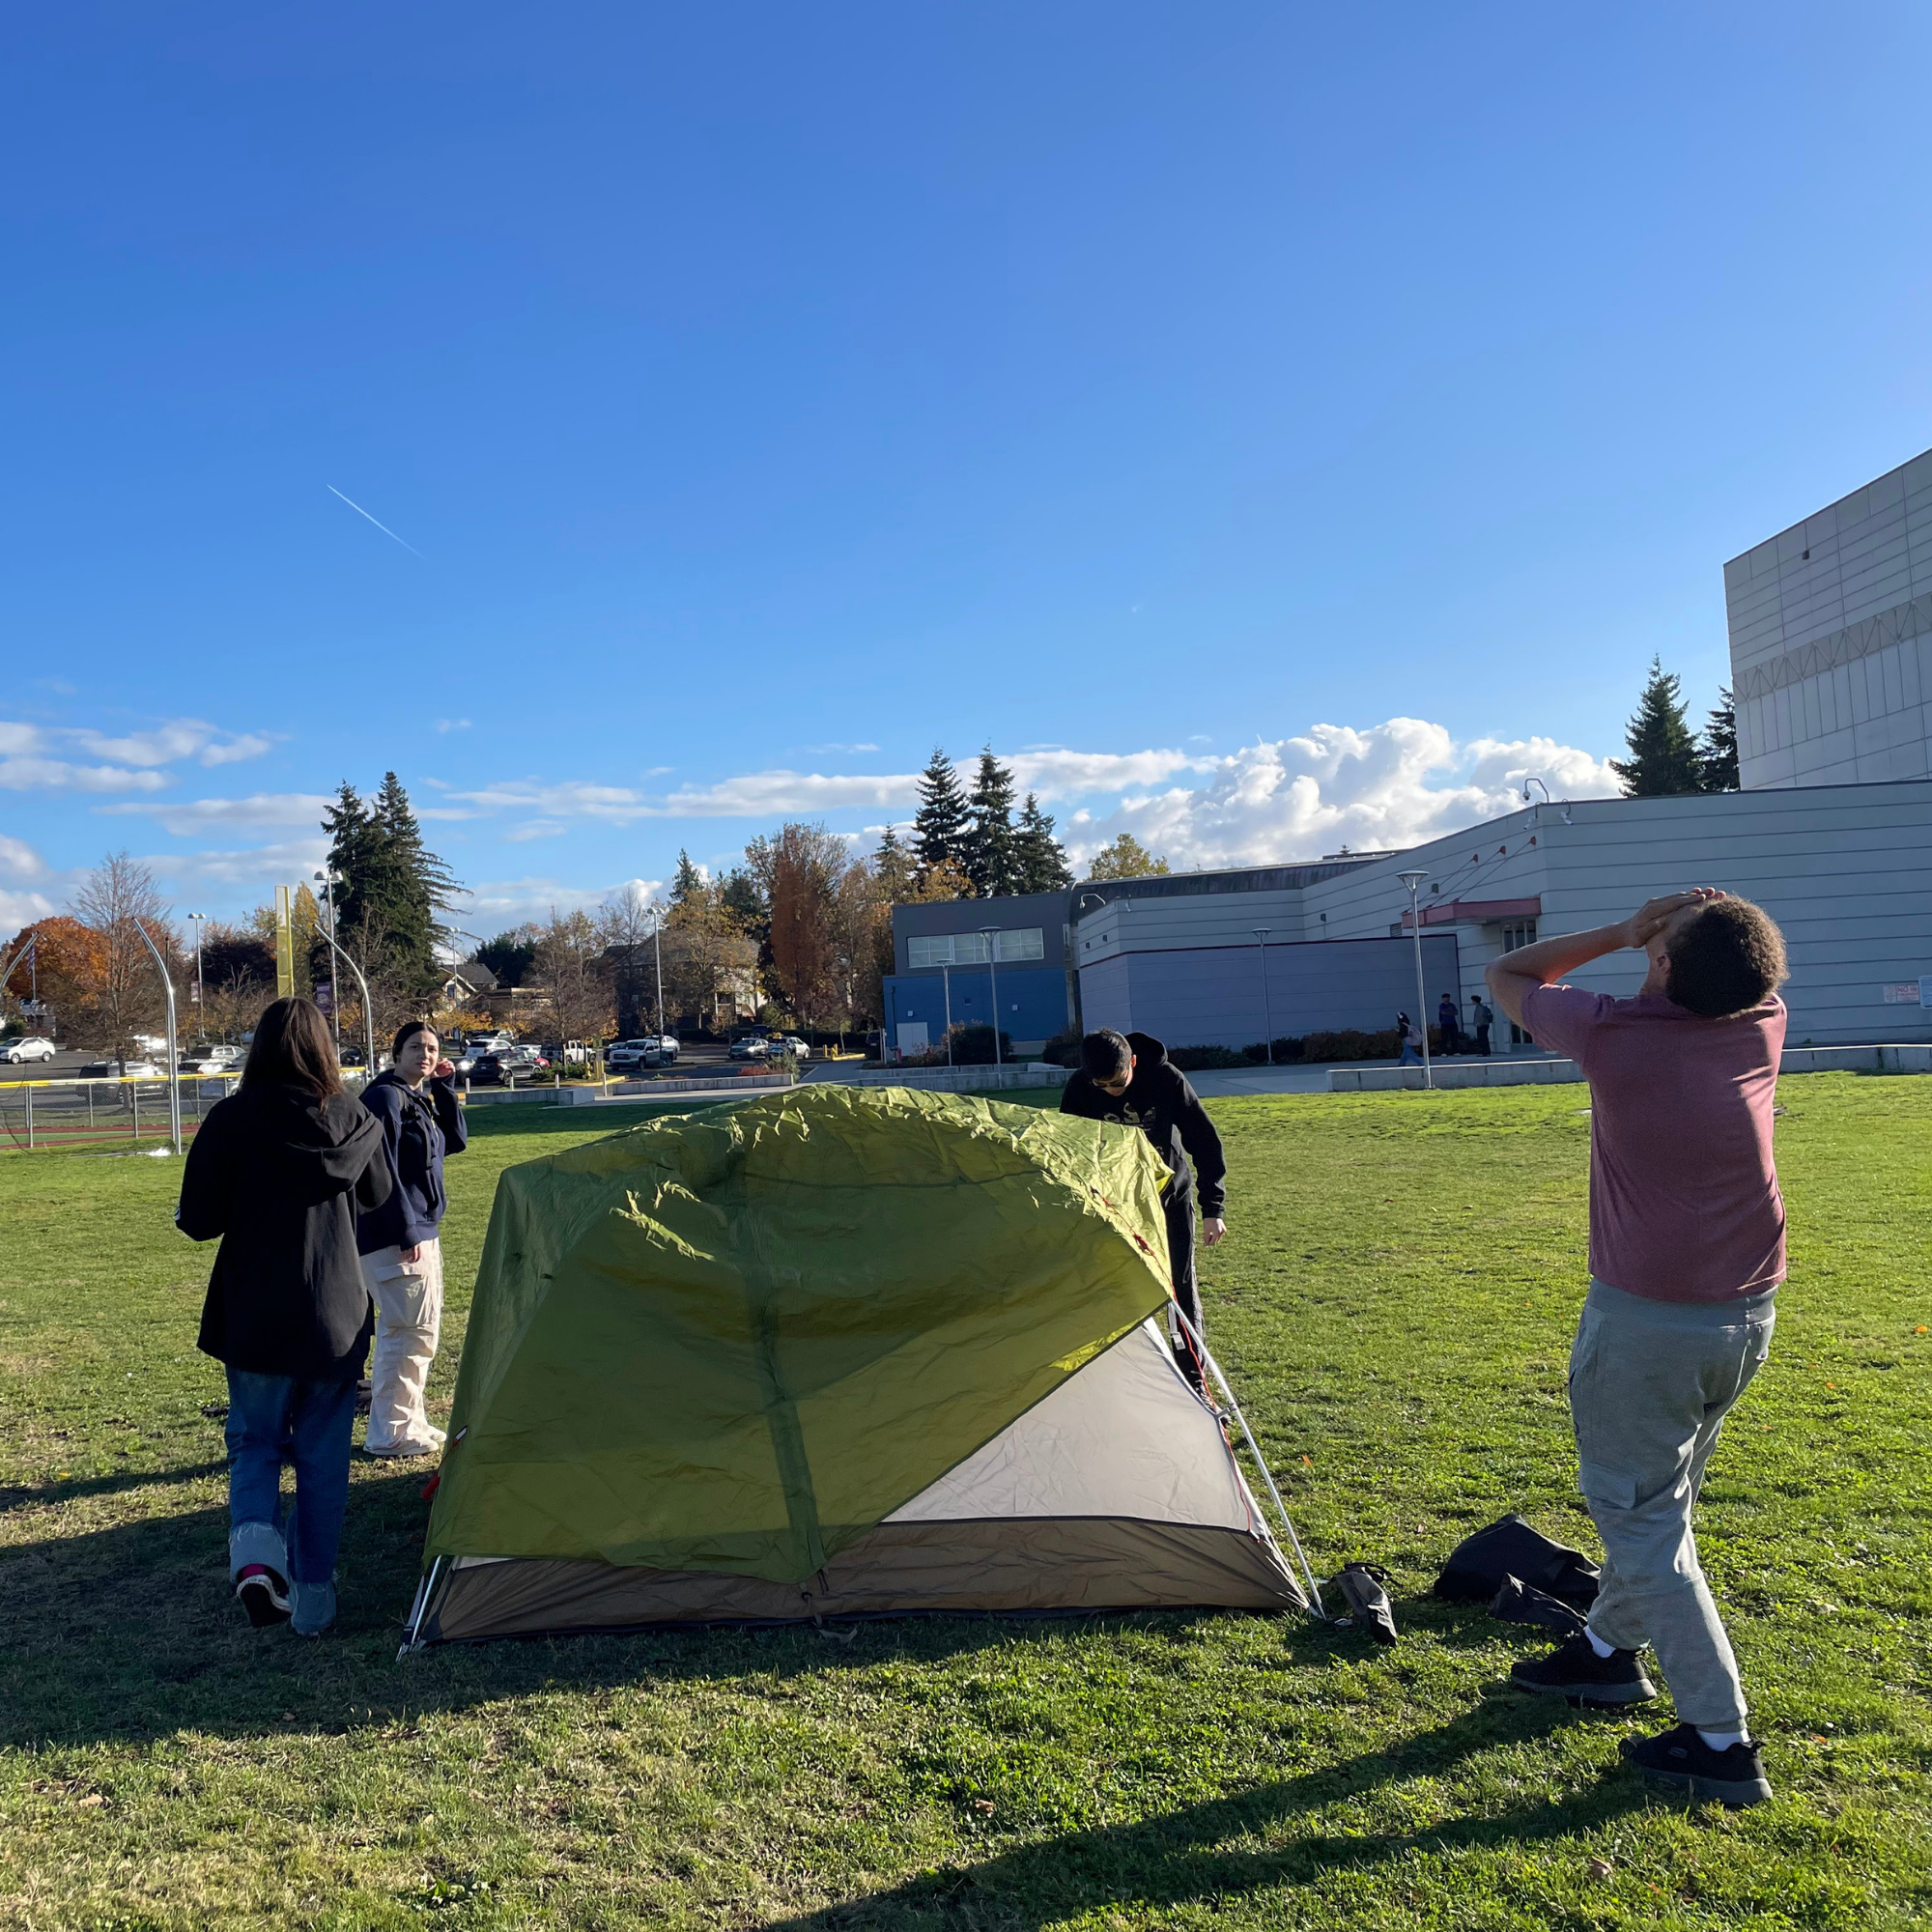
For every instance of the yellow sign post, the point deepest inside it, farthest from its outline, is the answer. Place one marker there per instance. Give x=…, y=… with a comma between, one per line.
x=285, y=947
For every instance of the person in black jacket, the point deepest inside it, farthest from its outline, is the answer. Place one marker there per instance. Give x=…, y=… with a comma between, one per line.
x=279, y=1170
x=401, y=1240
x=1127, y=1077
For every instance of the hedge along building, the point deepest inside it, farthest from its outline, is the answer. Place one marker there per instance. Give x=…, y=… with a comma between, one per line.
x=1845, y=869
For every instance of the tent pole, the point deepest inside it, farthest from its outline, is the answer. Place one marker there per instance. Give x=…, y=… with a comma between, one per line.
x=1261, y=1461
x=419, y=1609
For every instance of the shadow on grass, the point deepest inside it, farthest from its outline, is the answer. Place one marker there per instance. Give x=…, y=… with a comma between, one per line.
x=53, y=1494
x=1186, y=1857
x=129, y=1634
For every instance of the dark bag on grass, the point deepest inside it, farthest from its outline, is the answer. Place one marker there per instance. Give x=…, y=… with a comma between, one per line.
x=1365, y=1587
x=1479, y=1566
x=1520, y=1603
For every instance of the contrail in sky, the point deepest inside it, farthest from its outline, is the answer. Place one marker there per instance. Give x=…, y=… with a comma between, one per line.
x=383, y=526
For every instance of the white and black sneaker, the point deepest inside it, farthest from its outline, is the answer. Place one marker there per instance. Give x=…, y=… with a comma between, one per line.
x=1681, y=1757
x=1574, y=1671
x=264, y=1595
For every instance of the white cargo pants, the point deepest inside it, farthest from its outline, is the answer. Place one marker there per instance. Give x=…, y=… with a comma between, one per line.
x=409, y=1313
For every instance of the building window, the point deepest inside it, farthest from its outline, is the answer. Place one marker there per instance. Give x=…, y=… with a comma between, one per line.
x=929, y=950
x=1519, y=932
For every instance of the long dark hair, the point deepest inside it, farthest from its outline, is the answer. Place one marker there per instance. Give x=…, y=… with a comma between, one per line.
x=292, y=1049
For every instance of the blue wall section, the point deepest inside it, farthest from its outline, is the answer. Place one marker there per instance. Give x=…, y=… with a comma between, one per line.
x=1032, y=1000
x=1212, y=995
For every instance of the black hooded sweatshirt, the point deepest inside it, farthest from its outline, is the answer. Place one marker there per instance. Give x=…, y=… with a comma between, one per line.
x=280, y=1176
x=1161, y=1101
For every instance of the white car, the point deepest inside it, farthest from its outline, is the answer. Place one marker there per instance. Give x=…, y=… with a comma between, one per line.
x=33, y=1047
x=789, y=1043
x=142, y=1070
x=627, y=1056
x=208, y=1060
x=755, y=1048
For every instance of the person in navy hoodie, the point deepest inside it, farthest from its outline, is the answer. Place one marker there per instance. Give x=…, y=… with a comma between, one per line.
x=401, y=1240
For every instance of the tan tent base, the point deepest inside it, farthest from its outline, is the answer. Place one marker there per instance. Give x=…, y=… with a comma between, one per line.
x=898, y=1569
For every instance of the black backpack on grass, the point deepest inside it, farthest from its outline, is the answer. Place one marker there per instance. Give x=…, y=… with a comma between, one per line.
x=1480, y=1565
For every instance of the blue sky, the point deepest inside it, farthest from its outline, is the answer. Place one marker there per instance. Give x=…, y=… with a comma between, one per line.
x=1272, y=426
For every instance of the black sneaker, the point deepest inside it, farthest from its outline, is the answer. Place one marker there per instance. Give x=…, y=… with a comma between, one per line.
x=263, y=1594
x=1681, y=1757
x=1574, y=1670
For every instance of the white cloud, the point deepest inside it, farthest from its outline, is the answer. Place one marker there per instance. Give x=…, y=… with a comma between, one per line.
x=19, y=859
x=31, y=760
x=257, y=869
x=172, y=741
x=21, y=908
x=264, y=810
x=1062, y=774
x=452, y=724
x=782, y=794
x=32, y=773
x=500, y=903
x=825, y=750
x=1391, y=784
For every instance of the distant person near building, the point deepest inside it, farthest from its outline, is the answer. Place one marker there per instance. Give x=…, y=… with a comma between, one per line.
x=1128, y=1078
x=1410, y=1035
x=401, y=1240
x=279, y=1170
x=1687, y=1250
x=1449, y=1019
x=1481, y=1019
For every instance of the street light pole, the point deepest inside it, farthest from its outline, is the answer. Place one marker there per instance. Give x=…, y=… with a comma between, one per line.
x=1267, y=1011
x=657, y=961
x=1413, y=881
x=946, y=979
x=199, y=920
x=990, y=934
x=326, y=881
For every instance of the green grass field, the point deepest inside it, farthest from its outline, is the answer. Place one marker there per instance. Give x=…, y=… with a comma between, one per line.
x=1394, y=1302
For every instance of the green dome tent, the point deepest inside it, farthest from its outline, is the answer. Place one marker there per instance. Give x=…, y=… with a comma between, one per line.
x=832, y=1352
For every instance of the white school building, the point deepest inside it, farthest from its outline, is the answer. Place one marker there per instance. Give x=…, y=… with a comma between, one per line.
x=1846, y=871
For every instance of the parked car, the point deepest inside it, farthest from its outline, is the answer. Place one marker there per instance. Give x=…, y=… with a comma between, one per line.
x=351, y=1056
x=488, y=1043
x=142, y=1070
x=789, y=1043
x=627, y=1056
x=198, y=1060
x=523, y=1059
x=487, y=1070
x=20, y=1051
x=151, y=1042
x=756, y=1048
x=661, y=1049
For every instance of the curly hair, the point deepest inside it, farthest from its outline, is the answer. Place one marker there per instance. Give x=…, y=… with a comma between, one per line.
x=1726, y=959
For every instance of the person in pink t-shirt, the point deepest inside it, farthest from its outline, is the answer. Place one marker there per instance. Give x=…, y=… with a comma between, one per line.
x=1687, y=1249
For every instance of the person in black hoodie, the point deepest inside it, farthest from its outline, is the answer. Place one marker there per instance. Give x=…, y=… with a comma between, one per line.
x=401, y=1240
x=1127, y=1077
x=279, y=1172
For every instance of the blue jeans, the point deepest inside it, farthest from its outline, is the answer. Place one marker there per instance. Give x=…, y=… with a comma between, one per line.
x=276, y=1419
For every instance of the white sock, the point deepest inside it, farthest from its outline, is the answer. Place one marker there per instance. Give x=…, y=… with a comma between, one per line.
x=1720, y=1740
x=1598, y=1644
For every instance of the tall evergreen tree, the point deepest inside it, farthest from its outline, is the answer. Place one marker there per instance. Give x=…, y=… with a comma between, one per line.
x=1719, y=766
x=389, y=889
x=1664, y=756
x=688, y=884
x=990, y=853
x=1042, y=861
x=939, y=826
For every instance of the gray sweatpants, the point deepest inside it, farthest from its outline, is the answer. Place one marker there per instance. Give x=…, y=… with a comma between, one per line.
x=1650, y=1385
